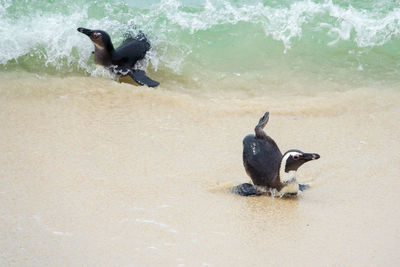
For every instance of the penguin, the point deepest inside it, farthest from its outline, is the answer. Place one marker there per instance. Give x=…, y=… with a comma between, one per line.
x=121, y=60
x=269, y=170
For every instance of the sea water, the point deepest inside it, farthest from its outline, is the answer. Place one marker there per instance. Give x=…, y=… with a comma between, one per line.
x=240, y=44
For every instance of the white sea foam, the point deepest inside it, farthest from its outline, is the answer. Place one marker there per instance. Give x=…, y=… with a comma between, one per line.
x=371, y=28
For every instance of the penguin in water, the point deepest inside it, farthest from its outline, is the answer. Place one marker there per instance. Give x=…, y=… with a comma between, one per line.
x=269, y=170
x=121, y=60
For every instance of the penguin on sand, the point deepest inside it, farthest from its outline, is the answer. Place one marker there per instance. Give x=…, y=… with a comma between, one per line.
x=121, y=60
x=269, y=170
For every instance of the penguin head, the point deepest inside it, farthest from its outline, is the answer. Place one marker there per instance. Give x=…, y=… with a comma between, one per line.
x=294, y=158
x=100, y=38
x=291, y=161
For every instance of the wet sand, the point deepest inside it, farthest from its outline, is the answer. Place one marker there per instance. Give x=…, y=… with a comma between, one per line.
x=98, y=173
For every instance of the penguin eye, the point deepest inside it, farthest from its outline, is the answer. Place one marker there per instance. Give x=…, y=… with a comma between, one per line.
x=96, y=35
x=296, y=157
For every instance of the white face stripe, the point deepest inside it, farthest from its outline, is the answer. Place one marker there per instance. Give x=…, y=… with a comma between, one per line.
x=283, y=163
x=288, y=178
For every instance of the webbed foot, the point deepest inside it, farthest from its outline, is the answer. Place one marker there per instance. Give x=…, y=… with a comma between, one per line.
x=260, y=126
x=303, y=187
x=140, y=77
x=263, y=120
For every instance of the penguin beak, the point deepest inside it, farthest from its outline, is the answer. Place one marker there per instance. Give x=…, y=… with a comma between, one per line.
x=85, y=31
x=309, y=156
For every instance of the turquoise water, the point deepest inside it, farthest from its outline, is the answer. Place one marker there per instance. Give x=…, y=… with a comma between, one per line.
x=352, y=42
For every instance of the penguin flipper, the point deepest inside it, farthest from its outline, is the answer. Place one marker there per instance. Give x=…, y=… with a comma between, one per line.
x=140, y=37
x=140, y=77
x=245, y=189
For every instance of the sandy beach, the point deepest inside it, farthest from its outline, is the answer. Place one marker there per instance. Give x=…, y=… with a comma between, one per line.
x=100, y=173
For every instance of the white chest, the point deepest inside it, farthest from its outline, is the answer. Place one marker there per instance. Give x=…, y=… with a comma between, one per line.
x=289, y=179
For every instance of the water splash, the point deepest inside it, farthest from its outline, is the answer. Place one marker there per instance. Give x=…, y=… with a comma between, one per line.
x=35, y=35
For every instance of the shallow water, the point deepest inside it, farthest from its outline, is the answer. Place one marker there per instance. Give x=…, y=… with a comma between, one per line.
x=95, y=172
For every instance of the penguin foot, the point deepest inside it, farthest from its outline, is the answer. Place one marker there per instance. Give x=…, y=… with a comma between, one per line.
x=263, y=120
x=140, y=77
x=260, y=126
x=245, y=189
x=303, y=187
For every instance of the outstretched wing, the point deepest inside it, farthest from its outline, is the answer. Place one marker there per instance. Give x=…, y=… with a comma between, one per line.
x=141, y=37
x=130, y=51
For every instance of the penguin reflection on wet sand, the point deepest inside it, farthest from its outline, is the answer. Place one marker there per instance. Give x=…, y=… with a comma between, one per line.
x=121, y=60
x=270, y=171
